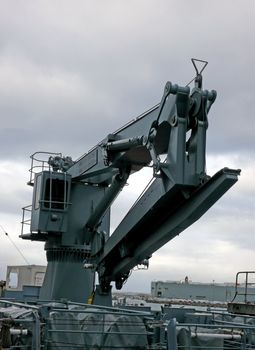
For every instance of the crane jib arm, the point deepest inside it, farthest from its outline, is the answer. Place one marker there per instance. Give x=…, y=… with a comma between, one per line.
x=134, y=241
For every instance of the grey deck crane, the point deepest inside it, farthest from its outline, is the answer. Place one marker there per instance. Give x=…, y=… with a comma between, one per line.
x=71, y=200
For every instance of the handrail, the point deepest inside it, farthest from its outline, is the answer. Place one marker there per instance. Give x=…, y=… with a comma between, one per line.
x=246, y=284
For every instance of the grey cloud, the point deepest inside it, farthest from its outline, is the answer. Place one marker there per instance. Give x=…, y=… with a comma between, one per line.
x=72, y=71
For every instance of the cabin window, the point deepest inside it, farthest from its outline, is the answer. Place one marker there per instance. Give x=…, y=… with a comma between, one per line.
x=55, y=196
x=13, y=280
x=38, y=191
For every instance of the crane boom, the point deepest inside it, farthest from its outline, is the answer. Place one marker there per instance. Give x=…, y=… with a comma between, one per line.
x=72, y=200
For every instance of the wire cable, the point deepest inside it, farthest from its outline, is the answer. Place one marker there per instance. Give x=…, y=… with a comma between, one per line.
x=20, y=252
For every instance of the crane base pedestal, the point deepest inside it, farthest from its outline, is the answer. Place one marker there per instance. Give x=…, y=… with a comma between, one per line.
x=103, y=298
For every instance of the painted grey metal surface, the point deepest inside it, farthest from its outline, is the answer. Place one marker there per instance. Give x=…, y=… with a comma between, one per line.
x=72, y=200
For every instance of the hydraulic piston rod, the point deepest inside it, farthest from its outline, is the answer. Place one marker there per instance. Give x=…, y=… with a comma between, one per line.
x=111, y=193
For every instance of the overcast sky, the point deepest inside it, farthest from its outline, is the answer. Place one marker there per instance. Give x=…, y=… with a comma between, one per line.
x=73, y=71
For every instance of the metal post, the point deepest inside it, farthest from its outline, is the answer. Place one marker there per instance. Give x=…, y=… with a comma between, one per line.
x=36, y=342
x=171, y=335
x=246, y=286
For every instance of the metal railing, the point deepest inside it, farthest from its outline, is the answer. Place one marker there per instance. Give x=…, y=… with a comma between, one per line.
x=26, y=218
x=73, y=326
x=247, y=292
x=39, y=163
x=197, y=336
x=226, y=331
x=101, y=328
x=20, y=333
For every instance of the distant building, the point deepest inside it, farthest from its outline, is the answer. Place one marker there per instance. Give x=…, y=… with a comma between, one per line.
x=23, y=282
x=20, y=275
x=222, y=292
